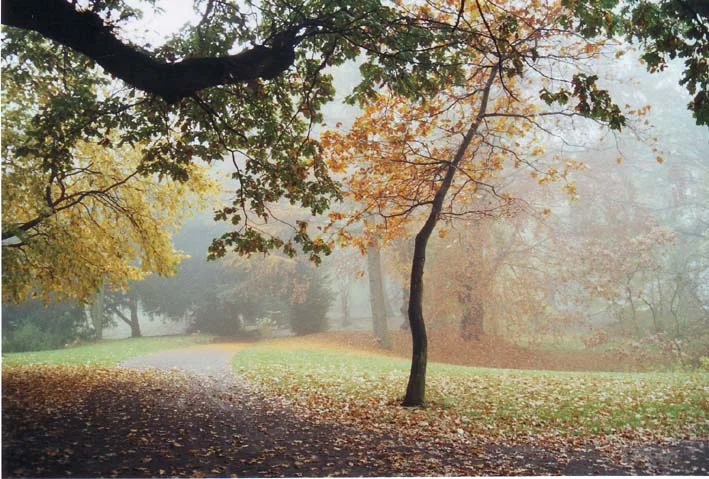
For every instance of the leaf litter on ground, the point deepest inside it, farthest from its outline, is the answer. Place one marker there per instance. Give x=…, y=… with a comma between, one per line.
x=314, y=412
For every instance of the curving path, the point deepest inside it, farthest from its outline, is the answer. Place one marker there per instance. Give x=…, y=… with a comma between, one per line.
x=204, y=360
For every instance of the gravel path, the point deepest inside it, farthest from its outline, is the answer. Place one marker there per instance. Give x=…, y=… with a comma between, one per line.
x=211, y=360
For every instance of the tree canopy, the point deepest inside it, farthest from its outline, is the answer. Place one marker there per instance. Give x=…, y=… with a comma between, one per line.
x=68, y=231
x=247, y=82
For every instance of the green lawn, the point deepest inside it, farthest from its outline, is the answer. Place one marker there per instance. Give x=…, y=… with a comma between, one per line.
x=108, y=352
x=508, y=403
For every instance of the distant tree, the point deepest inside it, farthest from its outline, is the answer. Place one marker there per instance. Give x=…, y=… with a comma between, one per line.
x=310, y=300
x=344, y=268
x=377, y=296
x=642, y=228
x=117, y=302
x=97, y=312
x=201, y=292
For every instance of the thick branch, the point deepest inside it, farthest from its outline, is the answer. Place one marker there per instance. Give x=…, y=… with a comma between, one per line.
x=87, y=33
x=120, y=315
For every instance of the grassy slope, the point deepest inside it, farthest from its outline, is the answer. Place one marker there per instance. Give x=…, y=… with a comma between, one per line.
x=512, y=404
x=108, y=352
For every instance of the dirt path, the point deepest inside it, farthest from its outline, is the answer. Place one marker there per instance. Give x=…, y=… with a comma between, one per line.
x=189, y=415
x=202, y=360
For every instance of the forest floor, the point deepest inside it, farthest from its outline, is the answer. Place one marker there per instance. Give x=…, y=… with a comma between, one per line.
x=190, y=415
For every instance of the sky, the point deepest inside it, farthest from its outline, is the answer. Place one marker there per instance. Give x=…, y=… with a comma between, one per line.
x=162, y=21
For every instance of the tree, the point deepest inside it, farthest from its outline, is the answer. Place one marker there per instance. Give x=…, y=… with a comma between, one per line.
x=194, y=98
x=643, y=227
x=376, y=296
x=309, y=301
x=410, y=155
x=81, y=207
x=223, y=296
x=344, y=268
x=95, y=221
x=666, y=29
x=118, y=301
x=98, y=312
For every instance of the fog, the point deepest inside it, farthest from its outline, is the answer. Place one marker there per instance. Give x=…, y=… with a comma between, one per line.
x=618, y=261
x=477, y=245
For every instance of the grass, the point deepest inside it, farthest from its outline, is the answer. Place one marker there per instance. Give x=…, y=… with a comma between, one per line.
x=108, y=352
x=509, y=403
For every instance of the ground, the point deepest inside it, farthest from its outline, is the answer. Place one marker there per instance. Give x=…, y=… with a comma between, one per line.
x=189, y=415
x=445, y=345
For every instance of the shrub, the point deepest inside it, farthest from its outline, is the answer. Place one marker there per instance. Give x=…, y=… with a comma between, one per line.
x=308, y=311
x=33, y=326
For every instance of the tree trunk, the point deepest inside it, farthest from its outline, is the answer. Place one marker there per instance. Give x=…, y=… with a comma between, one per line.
x=134, y=321
x=655, y=323
x=633, y=313
x=345, y=301
x=673, y=308
x=405, y=309
x=97, y=313
x=387, y=301
x=416, y=388
x=471, y=324
x=376, y=296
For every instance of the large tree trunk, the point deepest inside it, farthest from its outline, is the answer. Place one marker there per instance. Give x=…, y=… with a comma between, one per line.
x=376, y=296
x=134, y=320
x=97, y=313
x=416, y=388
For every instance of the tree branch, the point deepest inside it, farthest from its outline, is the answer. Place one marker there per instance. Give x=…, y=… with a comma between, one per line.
x=87, y=33
x=120, y=315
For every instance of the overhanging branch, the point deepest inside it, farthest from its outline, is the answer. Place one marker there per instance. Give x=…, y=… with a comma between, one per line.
x=87, y=33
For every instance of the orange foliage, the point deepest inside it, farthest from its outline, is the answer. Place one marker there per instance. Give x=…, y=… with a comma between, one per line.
x=395, y=155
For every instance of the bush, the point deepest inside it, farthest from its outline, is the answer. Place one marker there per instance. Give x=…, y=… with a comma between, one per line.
x=308, y=314
x=230, y=313
x=33, y=326
x=215, y=316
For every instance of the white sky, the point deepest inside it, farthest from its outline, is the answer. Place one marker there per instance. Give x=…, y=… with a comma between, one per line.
x=155, y=26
